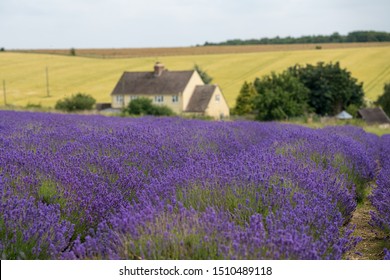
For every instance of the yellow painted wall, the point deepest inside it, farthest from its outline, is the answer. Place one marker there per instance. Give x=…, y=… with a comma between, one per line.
x=190, y=88
x=175, y=106
x=215, y=108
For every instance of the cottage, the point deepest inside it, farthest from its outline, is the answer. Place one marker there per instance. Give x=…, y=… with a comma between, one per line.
x=182, y=91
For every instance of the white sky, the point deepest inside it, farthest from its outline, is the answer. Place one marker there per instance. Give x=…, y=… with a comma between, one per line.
x=152, y=23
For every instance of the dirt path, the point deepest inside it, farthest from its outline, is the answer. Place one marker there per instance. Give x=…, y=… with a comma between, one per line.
x=371, y=247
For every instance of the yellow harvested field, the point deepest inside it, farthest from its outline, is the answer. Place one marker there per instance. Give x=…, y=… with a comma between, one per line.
x=25, y=73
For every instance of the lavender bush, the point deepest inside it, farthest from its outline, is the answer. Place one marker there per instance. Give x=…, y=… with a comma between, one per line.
x=380, y=197
x=168, y=188
x=30, y=229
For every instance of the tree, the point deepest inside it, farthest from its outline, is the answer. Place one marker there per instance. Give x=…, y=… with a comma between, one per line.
x=77, y=102
x=280, y=96
x=352, y=109
x=332, y=88
x=355, y=36
x=144, y=106
x=203, y=75
x=384, y=99
x=139, y=106
x=245, y=100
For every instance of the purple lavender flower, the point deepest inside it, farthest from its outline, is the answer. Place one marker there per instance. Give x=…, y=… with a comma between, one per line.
x=94, y=187
x=380, y=197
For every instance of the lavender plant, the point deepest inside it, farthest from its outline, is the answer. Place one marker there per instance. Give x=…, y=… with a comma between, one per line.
x=380, y=197
x=31, y=230
x=168, y=188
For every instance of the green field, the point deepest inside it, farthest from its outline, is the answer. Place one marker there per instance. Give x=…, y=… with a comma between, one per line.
x=25, y=73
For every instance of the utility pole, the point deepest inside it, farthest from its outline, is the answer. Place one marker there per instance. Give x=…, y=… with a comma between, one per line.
x=47, y=82
x=4, y=91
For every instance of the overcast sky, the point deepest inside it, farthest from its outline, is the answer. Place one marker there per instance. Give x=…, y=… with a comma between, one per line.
x=165, y=23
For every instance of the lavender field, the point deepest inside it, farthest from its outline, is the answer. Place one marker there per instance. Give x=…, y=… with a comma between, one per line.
x=94, y=187
x=380, y=198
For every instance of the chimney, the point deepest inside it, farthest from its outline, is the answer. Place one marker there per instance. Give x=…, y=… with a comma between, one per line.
x=158, y=69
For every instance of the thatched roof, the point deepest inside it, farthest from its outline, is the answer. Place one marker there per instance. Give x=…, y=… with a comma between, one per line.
x=148, y=83
x=200, y=98
x=374, y=115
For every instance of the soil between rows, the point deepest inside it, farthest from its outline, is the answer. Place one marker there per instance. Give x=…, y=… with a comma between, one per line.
x=371, y=246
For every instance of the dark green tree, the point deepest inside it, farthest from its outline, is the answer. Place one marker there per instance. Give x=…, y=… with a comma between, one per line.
x=355, y=36
x=384, y=99
x=139, y=106
x=332, y=88
x=77, y=102
x=161, y=110
x=144, y=106
x=280, y=96
x=352, y=109
x=245, y=100
x=203, y=74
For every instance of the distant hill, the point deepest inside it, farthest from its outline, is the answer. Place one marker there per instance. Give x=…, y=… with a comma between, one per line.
x=230, y=66
x=352, y=37
x=199, y=50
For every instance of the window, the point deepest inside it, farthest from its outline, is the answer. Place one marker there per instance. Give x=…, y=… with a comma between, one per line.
x=133, y=97
x=217, y=98
x=119, y=99
x=159, y=99
x=175, y=98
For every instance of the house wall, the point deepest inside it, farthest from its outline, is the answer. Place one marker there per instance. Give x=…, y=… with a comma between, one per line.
x=194, y=81
x=175, y=106
x=115, y=104
x=217, y=109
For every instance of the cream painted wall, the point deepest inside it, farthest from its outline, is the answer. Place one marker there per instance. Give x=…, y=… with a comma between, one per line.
x=177, y=107
x=115, y=104
x=217, y=108
x=194, y=81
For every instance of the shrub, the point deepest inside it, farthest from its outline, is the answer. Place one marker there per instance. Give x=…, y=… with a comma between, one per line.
x=77, y=102
x=162, y=111
x=33, y=105
x=353, y=110
x=139, y=106
x=144, y=106
x=384, y=99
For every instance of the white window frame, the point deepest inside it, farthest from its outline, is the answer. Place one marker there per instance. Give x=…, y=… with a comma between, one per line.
x=159, y=99
x=119, y=99
x=175, y=98
x=133, y=97
x=217, y=98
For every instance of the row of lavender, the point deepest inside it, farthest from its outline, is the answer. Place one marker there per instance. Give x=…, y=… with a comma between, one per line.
x=380, y=197
x=92, y=187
